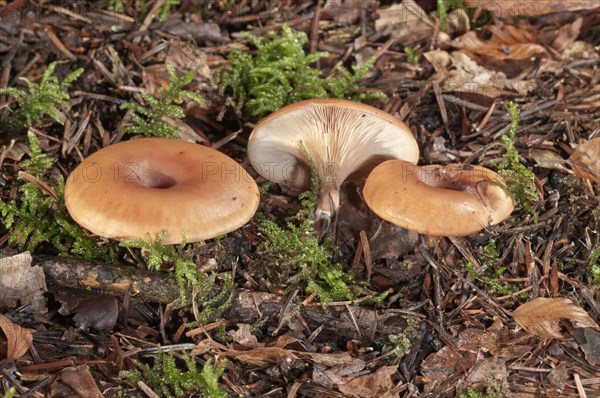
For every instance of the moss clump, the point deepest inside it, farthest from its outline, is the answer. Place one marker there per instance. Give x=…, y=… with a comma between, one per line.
x=491, y=259
x=150, y=119
x=40, y=100
x=520, y=180
x=299, y=257
x=40, y=215
x=208, y=305
x=166, y=379
x=281, y=73
x=494, y=389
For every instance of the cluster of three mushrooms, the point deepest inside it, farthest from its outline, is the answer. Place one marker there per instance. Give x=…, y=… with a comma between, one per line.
x=139, y=188
x=342, y=136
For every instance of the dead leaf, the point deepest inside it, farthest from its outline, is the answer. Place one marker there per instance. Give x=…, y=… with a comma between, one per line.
x=21, y=284
x=375, y=384
x=262, y=356
x=541, y=316
x=467, y=77
x=91, y=311
x=244, y=335
x=347, y=12
x=507, y=42
x=558, y=376
x=547, y=159
x=567, y=34
x=340, y=359
x=81, y=381
x=208, y=345
x=512, y=8
x=589, y=341
x=185, y=58
x=586, y=160
x=486, y=370
x=17, y=339
x=406, y=22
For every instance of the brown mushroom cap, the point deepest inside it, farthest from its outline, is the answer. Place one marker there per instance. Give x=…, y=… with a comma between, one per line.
x=340, y=136
x=136, y=189
x=586, y=160
x=452, y=200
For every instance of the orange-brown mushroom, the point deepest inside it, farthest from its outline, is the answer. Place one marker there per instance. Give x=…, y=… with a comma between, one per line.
x=452, y=200
x=135, y=189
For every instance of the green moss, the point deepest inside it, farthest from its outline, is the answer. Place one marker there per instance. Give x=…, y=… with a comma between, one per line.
x=40, y=100
x=281, y=73
x=163, y=12
x=594, y=264
x=40, y=217
x=397, y=346
x=299, y=258
x=493, y=390
x=209, y=304
x=411, y=56
x=491, y=281
x=10, y=393
x=169, y=381
x=149, y=119
x=520, y=180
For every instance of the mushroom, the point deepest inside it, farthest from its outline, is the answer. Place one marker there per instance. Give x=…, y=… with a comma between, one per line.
x=586, y=160
x=135, y=189
x=340, y=137
x=452, y=200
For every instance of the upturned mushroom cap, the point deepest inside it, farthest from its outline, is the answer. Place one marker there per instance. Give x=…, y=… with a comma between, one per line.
x=340, y=136
x=452, y=200
x=136, y=189
x=586, y=160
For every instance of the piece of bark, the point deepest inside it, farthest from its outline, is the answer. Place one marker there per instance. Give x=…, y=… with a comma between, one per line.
x=152, y=286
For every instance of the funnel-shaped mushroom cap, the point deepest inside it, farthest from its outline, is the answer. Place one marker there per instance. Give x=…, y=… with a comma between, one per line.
x=135, y=188
x=454, y=200
x=586, y=160
x=339, y=135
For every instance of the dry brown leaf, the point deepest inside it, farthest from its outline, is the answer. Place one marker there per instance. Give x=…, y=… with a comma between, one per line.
x=586, y=160
x=512, y=8
x=547, y=159
x=507, y=42
x=347, y=12
x=21, y=284
x=244, y=335
x=467, y=77
x=340, y=359
x=262, y=356
x=81, y=381
x=406, y=22
x=376, y=384
x=208, y=345
x=17, y=339
x=542, y=316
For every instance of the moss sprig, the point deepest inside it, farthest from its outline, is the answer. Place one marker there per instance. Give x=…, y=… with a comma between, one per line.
x=520, y=180
x=149, y=119
x=299, y=257
x=41, y=99
x=209, y=304
x=167, y=379
x=40, y=216
x=280, y=73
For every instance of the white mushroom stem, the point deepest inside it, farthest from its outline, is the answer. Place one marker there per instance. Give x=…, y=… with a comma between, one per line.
x=328, y=204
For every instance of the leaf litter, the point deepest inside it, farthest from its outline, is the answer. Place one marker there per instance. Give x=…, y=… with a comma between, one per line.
x=451, y=92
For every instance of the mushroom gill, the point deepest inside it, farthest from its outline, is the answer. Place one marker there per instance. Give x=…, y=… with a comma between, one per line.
x=339, y=136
